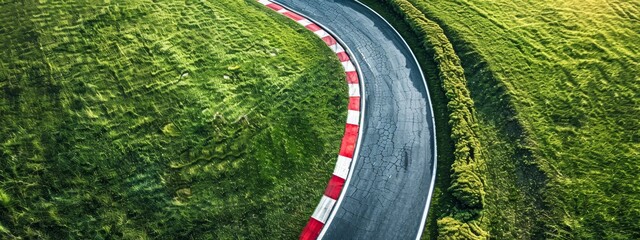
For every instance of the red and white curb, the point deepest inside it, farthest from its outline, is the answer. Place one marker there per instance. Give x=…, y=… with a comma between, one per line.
x=352, y=130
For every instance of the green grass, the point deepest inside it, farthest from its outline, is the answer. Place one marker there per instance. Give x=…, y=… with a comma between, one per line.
x=556, y=89
x=144, y=119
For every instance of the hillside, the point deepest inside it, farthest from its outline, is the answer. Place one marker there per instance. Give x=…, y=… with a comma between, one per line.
x=142, y=119
x=556, y=89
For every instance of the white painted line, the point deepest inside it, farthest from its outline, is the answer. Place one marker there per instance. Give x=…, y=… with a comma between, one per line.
x=348, y=66
x=354, y=90
x=323, y=209
x=433, y=121
x=353, y=117
x=342, y=167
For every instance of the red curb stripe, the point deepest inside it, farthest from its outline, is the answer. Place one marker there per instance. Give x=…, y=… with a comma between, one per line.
x=354, y=103
x=351, y=129
x=313, y=27
x=329, y=40
x=312, y=230
x=274, y=6
x=293, y=16
x=334, y=187
x=352, y=77
x=343, y=56
x=348, y=144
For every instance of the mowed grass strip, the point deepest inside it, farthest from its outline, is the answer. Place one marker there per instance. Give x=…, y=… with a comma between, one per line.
x=144, y=119
x=556, y=86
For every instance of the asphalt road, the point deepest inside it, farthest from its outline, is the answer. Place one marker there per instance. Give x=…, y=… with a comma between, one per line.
x=391, y=181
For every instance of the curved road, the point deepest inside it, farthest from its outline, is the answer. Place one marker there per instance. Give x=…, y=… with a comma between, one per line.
x=390, y=186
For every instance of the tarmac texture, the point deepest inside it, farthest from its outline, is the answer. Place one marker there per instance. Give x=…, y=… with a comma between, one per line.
x=390, y=186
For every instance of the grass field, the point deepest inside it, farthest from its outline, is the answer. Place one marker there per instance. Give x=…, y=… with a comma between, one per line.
x=557, y=92
x=143, y=119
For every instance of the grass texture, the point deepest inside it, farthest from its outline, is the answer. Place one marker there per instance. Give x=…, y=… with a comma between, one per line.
x=148, y=119
x=556, y=91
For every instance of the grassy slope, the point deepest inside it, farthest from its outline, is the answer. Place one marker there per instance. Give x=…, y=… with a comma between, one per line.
x=570, y=69
x=139, y=119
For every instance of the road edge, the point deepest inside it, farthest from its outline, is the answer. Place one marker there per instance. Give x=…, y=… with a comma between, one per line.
x=350, y=146
x=433, y=121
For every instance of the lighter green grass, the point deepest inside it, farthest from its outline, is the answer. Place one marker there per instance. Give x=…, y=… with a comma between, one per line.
x=144, y=119
x=571, y=72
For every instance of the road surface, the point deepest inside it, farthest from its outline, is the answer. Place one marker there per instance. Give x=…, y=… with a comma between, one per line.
x=391, y=182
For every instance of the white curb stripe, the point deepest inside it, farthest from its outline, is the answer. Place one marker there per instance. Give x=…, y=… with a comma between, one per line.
x=282, y=11
x=353, y=117
x=304, y=22
x=354, y=90
x=342, y=167
x=348, y=66
x=321, y=33
x=336, y=48
x=264, y=2
x=323, y=209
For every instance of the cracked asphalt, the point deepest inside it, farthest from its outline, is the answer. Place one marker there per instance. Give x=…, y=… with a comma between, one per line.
x=388, y=193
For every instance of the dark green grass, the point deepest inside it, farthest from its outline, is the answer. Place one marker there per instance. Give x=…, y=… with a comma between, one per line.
x=143, y=119
x=569, y=70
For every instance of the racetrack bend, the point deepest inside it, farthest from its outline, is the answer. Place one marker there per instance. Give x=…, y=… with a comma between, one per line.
x=389, y=187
